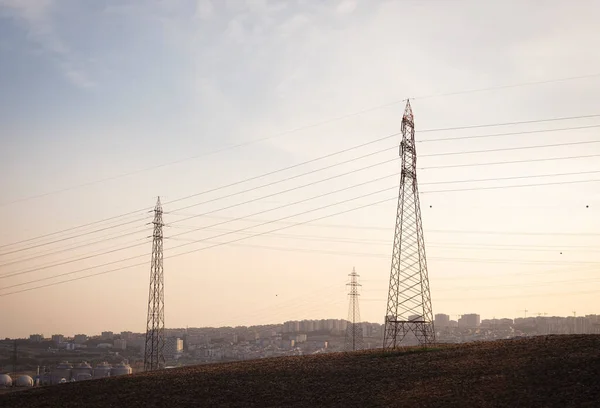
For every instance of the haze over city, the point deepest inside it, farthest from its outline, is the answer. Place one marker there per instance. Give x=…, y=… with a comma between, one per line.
x=105, y=106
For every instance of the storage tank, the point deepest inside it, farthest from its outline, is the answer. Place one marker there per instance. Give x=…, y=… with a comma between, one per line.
x=63, y=370
x=5, y=381
x=82, y=371
x=102, y=370
x=121, y=369
x=24, y=381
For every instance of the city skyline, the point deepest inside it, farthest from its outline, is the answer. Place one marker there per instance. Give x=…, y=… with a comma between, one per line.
x=453, y=319
x=245, y=117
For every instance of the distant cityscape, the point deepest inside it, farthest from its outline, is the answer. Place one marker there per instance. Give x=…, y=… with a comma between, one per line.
x=58, y=358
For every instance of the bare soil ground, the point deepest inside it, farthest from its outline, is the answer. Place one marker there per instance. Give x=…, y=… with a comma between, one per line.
x=547, y=371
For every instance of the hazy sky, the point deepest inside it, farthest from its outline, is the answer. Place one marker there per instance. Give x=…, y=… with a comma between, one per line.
x=92, y=91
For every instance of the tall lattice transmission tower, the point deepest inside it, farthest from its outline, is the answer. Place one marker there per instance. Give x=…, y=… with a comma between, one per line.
x=154, y=358
x=354, y=332
x=409, y=301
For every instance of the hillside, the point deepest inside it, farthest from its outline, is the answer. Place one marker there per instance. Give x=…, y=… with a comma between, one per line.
x=553, y=371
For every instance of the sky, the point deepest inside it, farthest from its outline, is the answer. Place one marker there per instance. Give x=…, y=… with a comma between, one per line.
x=106, y=105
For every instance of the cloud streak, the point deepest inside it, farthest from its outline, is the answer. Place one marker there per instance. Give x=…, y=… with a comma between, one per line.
x=35, y=16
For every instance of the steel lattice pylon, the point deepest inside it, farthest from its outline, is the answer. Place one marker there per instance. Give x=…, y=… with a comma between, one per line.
x=154, y=358
x=354, y=332
x=409, y=301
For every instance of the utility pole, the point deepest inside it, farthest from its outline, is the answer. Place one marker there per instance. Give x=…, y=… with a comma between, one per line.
x=354, y=333
x=154, y=358
x=409, y=301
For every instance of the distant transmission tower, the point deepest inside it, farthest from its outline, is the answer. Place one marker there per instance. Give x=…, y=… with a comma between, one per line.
x=409, y=302
x=154, y=358
x=354, y=333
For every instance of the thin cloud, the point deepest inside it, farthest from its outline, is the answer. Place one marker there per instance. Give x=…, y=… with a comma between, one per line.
x=35, y=17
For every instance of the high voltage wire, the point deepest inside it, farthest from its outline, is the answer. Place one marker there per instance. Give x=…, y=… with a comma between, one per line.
x=523, y=122
x=502, y=276
x=72, y=248
x=215, y=189
x=527, y=295
x=300, y=175
x=74, y=228
x=506, y=134
x=52, y=250
x=504, y=149
x=538, y=283
x=493, y=88
x=381, y=255
x=365, y=144
x=250, y=142
x=71, y=237
x=213, y=245
x=447, y=245
x=307, y=162
x=312, y=198
x=352, y=171
x=377, y=228
x=269, y=184
x=508, y=162
x=74, y=259
x=431, y=244
x=260, y=212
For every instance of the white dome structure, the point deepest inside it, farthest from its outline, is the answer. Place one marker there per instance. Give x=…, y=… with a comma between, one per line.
x=5, y=381
x=24, y=381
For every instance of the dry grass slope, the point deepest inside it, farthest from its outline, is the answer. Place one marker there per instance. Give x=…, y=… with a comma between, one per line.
x=553, y=371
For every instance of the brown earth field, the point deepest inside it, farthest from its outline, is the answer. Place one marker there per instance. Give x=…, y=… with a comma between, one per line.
x=545, y=371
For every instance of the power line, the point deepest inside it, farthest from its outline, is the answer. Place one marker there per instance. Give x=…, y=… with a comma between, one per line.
x=493, y=88
x=83, y=258
x=507, y=134
x=385, y=256
x=71, y=237
x=70, y=248
x=294, y=177
x=512, y=148
x=509, y=162
x=353, y=171
x=298, y=202
x=214, y=189
x=198, y=241
x=513, y=177
x=296, y=165
x=73, y=228
x=187, y=232
x=434, y=244
x=216, y=244
x=350, y=172
x=522, y=122
x=304, y=127
x=527, y=295
x=276, y=182
x=300, y=164
x=593, y=234
x=378, y=179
